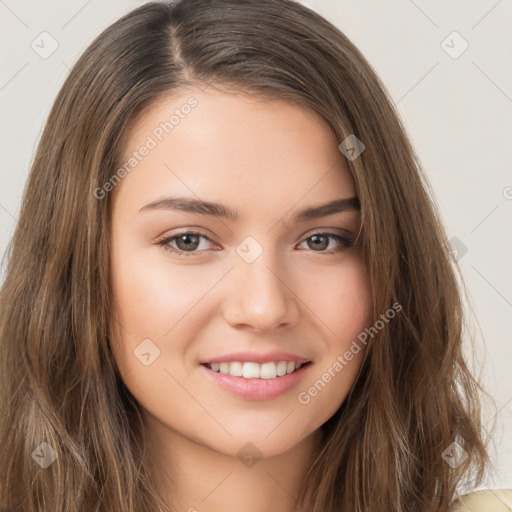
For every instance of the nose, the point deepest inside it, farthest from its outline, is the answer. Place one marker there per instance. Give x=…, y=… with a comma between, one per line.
x=260, y=295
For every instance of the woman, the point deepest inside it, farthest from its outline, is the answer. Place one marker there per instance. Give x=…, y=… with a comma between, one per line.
x=229, y=288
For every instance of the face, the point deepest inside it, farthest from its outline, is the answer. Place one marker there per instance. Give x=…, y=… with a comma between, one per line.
x=227, y=315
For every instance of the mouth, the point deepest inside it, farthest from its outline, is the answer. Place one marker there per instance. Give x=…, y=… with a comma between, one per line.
x=253, y=370
x=252, y=381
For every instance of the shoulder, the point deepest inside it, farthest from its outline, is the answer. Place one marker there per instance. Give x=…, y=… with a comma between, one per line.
x=489, y=500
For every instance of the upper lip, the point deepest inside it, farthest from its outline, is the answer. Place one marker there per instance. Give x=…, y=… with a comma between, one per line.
x=255, y=357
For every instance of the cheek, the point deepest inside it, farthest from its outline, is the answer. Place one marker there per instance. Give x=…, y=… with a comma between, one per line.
x=342, y=301
x=340, y=298
x=154, y=305
x=154, y=296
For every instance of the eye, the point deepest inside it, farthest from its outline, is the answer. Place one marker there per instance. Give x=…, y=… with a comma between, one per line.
x=188, y=243
x=319, y=242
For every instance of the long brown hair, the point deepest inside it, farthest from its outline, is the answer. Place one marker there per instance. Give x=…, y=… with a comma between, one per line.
x=59, y=385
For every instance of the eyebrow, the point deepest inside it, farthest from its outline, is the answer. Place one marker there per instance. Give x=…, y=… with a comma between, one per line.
x=191, y=205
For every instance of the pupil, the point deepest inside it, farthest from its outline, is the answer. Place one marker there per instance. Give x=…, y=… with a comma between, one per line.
x=323, y=246
x=187, y=245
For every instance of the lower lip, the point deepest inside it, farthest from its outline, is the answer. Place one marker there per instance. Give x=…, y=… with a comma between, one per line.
x=257, y=389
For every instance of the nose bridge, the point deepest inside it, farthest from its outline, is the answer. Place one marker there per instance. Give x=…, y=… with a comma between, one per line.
x=263, y=298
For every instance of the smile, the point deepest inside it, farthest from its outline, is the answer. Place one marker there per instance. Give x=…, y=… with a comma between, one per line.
x=252, y=370
x=254, y=381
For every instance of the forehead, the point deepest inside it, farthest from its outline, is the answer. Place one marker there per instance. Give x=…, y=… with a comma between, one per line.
x=220, y=145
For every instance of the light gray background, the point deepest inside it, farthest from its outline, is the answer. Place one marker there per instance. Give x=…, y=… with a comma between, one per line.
x=457, y=112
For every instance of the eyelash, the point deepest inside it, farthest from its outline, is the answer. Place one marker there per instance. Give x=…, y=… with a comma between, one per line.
x=165, y=242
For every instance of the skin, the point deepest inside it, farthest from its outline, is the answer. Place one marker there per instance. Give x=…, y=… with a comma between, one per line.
x=267, y=160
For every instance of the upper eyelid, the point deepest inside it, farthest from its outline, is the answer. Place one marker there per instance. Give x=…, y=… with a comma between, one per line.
x=307, y=234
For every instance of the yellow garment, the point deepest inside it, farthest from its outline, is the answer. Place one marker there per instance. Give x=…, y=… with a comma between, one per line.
x=490, y=500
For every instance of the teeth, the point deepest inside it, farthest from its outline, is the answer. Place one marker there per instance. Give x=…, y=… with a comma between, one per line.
x=281, y=368
x=268, y=371
x=250, y=370
x=236, y=369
